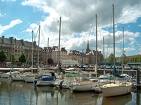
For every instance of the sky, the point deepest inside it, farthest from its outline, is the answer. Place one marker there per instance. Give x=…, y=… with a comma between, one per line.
x=19, y=17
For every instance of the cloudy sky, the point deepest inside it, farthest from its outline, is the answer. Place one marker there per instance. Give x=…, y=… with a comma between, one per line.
x=19, y=17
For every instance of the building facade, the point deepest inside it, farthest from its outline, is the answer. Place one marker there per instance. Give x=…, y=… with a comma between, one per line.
x=13, y=49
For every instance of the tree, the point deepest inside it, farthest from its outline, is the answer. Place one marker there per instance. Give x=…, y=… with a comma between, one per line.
x=111, y=58
x=2, y=56
x=12, y=58
x=22, y=58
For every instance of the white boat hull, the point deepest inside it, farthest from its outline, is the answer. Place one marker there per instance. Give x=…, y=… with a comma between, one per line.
x=45, y=83
x=82, y=87
x=85, y=86
x=116, y=90
x=17, y=78
x=5, y=75
x=29, y=79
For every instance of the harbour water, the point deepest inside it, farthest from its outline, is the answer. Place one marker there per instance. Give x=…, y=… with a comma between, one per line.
x=20, y=93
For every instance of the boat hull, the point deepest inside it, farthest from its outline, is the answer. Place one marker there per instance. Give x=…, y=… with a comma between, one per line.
x=116, y=91
x=17, y=78
x=45, y=83
x=82, y=87
x=29, y=79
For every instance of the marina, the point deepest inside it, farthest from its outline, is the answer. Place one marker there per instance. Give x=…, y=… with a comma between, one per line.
x=80, y=53
x=27, y=94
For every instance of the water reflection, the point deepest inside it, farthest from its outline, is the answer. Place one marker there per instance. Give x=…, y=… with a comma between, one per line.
x=17, y=93
x=119, y=100
x=138, y=97
x=45, y=96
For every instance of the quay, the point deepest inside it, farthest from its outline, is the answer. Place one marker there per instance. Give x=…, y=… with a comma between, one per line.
x=4, y=70
x=130, y=72
x=99, y=71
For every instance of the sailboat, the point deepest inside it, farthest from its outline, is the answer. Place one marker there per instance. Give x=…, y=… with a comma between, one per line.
x=83, y=83
x=45, y=78
x=117, y=87
x=29, y=77
x=87, y=84
x=125, y=76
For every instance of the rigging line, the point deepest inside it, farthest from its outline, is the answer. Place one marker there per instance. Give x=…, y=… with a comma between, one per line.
x=43, y=36
x=91, y=29
x=36, y=34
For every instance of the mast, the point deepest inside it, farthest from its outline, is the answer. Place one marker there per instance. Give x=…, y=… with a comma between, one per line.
x=114, y=37
x=96, y=48
x=59, y=66
x=123, y=52
x=104, y=55
x=87, y=49
x=32, y=48
x=82, y=58
x=38, y=45
x=48, y=42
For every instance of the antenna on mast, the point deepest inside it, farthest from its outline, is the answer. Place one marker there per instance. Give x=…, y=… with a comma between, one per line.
x=59, y=65
x=48, y=42
x=38, y=45
x=96, y=48
x=123, y=52
x=32, y=48
x=114, y=38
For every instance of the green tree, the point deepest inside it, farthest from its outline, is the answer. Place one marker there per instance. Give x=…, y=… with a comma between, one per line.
x=111, y=58
x=2, y=56
x=22, y=58
x=139, y=58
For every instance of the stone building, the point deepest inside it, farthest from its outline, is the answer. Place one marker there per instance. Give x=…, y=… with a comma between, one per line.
x=13, y=49
x=47, y=55
x=78, y=56
x=92, y=57
x=51, y=55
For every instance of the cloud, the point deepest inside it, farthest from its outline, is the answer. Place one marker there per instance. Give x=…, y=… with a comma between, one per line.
x=79, y=42
x=33, y=27
x=10, y=25
x=78, y=21
x=79, y=14
x=130, y=14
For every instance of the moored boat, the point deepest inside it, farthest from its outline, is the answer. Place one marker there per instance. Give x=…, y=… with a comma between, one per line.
x=65, y=80
x=17, y=76
x=85, y=83
x=116, y=89
x=29, y=78
x=46, y=80
x=82, y=86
